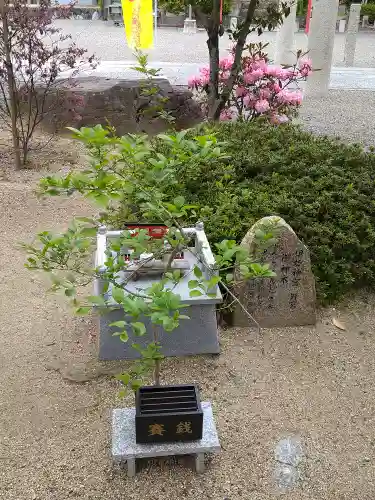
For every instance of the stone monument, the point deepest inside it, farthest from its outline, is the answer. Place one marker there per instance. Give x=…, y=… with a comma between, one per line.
x=320, y=45
x=285, y=39
x=351, y=34
x=190, y=24
x=288, y=299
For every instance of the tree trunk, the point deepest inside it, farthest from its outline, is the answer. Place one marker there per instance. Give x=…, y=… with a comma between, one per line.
x=213, y=49
x=157, y=361
x=241, y=40
x=13, y=101
x=211, y=24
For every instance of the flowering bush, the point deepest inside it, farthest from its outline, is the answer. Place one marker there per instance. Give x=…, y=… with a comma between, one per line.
x=260, y=88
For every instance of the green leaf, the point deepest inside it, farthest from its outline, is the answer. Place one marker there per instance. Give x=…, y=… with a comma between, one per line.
x=119, y=324
x=87, y=220
x=98, y=300
x=136, y=384
x=82, y=311
x=88, y=231
x=195, y=293
x=213, y=281
x=183, y=316
x=123, y=377
x=70, y=292
x=244, y=269
x=197, y=272
x=139, y=328
x=118, y=294
x=193, y=284
x=124, y=337
x=179, y=201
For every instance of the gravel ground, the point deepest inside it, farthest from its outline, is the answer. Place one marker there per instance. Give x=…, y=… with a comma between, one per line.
x=348, y=114
x=108, y=43
x=56, y=399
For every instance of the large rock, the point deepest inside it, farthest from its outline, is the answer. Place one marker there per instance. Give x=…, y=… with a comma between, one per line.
x=288, y=299
x=98, y=100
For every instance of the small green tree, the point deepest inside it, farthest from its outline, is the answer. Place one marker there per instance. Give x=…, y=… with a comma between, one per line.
x=260, y=14
x=132, y=172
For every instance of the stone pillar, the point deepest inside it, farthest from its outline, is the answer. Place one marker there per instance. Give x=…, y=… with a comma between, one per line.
x=285, y=38
x=320, y=45
x=190, y=24
x=351, y=34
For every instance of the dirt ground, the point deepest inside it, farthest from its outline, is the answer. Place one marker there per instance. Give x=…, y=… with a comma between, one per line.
x=56, y=398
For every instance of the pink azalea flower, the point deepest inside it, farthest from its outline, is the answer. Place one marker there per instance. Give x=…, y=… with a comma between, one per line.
x=291, y=73
x=241, y=91
x=264, y=94
x=288, y=97
x=205, y=71
x=305, y=66
x=224, y=76
x=262, y=106
x=249, y=101
x=250, y=76
x=226, y=63
x=305, y=62
x=273, y=71
x=294, y=97
x=194, y=82
x=283, y=74
x=278, y=119
x=226, y=115
x=262, y=64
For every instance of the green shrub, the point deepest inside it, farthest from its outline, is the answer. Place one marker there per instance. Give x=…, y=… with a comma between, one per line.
x=321, y=187
x=368, y=9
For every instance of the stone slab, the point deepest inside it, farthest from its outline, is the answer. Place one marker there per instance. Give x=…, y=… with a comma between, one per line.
x=288, y=299
x=124, y=446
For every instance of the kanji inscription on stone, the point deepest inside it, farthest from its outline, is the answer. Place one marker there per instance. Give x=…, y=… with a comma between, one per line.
x=288, y=299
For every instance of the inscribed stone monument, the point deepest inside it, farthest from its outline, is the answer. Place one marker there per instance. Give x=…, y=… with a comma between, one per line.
x=288, y=299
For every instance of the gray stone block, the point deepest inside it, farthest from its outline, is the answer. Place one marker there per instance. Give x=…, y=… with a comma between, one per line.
x=125, y=448
x=119, y=102
x=198, y=335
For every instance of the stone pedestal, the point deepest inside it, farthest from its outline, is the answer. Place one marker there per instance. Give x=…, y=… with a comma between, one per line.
x=197, y=335
x=351, y=34
x=125, y=448
x=285, y=39
x=190, y=26
x=320, y=45
x=342, y=25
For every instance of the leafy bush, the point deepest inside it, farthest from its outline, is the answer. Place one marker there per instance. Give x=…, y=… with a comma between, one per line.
x=321, y=187
x=368, y=9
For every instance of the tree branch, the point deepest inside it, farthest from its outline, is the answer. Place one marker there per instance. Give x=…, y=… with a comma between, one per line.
x=241, y=40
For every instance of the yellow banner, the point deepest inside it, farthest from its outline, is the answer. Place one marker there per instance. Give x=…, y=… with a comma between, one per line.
x=139, y=25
